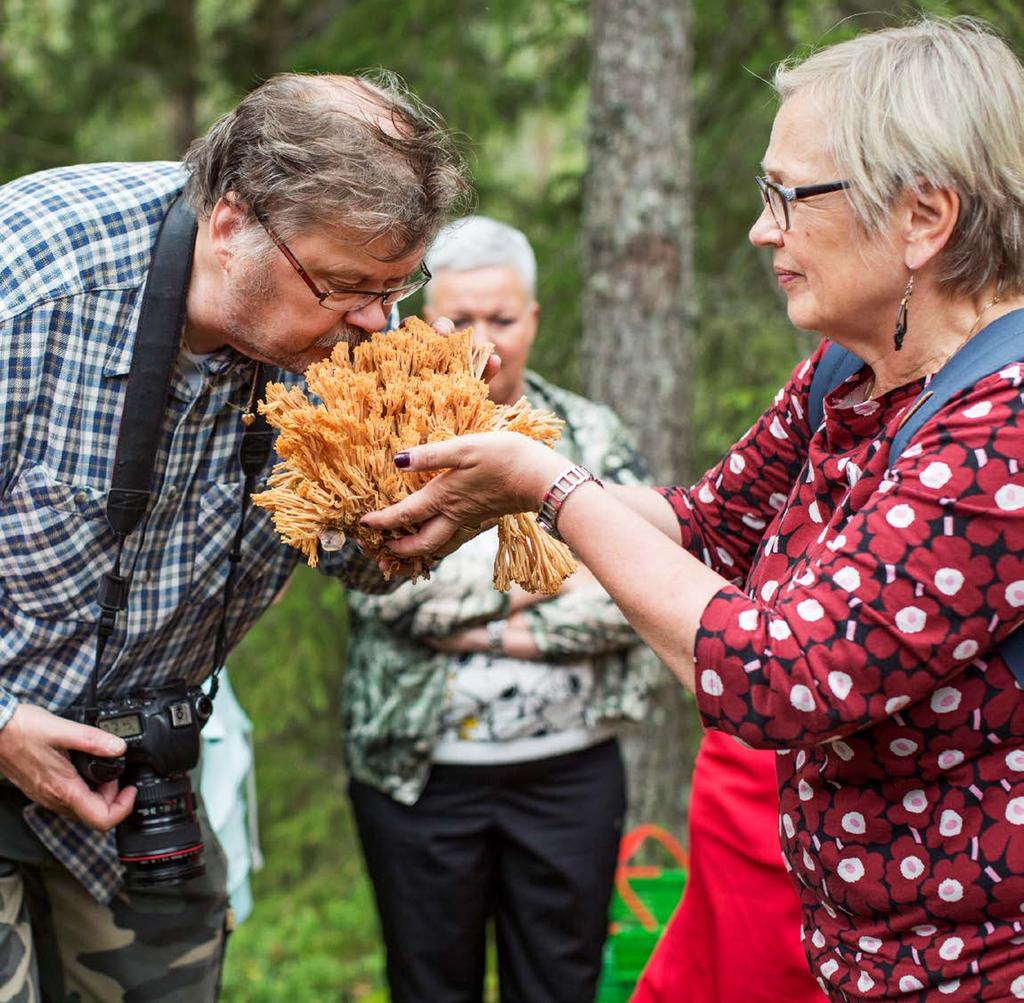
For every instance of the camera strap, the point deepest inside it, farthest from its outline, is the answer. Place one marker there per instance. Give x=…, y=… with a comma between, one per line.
x=157, y=343
x=253, y=453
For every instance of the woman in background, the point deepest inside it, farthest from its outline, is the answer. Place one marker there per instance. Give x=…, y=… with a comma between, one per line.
x=481, y=726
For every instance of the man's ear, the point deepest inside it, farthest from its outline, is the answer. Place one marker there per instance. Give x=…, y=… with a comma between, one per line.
x=226, y=219
x=930, y=213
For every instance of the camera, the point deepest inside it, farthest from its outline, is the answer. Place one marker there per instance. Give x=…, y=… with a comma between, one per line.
x=160, y=841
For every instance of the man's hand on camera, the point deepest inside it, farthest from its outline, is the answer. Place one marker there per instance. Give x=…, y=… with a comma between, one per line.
x=33, y=757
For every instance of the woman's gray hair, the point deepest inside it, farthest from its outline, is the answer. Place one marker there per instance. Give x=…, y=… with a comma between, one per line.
x=940, y=103
x=356, y=155
x=482, y=242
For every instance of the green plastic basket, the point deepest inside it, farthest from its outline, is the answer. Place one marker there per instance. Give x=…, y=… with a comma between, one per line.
x=644, y=900
x=658, y=893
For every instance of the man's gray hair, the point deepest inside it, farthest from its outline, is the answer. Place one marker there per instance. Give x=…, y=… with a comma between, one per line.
x=939, y=102
x=482, y=242
x=354, y=155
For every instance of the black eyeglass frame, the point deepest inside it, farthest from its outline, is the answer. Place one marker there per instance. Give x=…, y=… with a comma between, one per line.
x=388, y=297
x=790, y=195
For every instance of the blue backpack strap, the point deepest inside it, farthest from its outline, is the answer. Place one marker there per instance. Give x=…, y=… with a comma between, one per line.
x=993, y=347
x=833, y=367
x=1012, y=649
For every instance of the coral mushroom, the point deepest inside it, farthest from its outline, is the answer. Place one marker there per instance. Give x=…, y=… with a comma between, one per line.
x=395, y=390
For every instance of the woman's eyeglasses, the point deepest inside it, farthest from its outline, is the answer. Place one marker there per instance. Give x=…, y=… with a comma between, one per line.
x=778, y=197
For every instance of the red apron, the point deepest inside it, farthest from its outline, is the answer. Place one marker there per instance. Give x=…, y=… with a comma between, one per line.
x=735, y=937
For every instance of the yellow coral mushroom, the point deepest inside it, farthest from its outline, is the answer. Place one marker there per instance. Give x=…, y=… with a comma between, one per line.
x=393, y=391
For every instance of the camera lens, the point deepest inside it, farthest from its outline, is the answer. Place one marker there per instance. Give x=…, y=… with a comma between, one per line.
x=160, y=842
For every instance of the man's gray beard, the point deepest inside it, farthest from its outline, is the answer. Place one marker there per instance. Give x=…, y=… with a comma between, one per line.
x=352, y=336
x=252, y=342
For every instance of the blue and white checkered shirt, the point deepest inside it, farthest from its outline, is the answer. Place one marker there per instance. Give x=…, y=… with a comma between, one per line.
x=75, y=248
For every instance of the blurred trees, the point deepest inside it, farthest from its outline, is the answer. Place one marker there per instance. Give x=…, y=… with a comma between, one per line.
x=135, y=79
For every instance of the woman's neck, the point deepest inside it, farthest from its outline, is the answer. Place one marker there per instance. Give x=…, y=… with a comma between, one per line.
x=936, y=330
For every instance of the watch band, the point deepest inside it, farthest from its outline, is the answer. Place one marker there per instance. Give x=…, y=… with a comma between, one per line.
x=564, y=485
x=496, y=636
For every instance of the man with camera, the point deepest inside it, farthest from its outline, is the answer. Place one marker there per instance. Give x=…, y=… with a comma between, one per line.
x=303, y=220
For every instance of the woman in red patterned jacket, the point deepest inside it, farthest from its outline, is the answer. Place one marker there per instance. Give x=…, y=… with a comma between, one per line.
x=826, y=600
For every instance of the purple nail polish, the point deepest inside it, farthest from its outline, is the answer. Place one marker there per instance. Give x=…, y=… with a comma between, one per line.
x=402, y=460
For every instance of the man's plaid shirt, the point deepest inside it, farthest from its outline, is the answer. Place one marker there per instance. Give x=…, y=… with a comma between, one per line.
x=75, y=248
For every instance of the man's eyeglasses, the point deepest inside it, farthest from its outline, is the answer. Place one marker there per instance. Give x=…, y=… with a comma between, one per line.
x=778, y=197
x=345, y=300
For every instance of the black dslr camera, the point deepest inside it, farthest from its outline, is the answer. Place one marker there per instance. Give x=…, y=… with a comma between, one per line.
x=160, y=841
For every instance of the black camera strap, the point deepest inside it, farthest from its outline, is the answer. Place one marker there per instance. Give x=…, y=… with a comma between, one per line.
x=157, y=343
x=253, y=453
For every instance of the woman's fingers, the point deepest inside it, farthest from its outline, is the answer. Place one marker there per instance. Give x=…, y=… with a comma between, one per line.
x=491, y=368
x=410, y=511
x=458, y=453
x=483, y=476
x=436, y=456
x=437, y=496
x=461, y=536
x=433, y=537
x=443, y=326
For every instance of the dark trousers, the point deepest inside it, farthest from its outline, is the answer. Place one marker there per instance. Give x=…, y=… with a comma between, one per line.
x=531, y=845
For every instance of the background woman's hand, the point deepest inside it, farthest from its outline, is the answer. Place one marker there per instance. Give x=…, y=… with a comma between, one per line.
x=484, y=476
x=517, y=641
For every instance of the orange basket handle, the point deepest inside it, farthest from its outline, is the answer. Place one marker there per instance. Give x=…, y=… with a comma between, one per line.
x=631, y=842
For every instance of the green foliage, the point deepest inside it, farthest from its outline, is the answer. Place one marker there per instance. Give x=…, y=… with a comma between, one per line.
x=313, y=931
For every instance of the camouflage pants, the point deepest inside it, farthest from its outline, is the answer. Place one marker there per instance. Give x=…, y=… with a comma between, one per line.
x=59, y=945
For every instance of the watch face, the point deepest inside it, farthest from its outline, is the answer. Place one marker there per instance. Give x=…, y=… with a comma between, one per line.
x=496, y=636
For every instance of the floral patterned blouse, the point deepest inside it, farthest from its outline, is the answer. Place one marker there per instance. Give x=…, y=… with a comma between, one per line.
x=857, y=641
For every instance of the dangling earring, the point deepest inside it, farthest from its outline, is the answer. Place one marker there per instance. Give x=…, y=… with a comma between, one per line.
x=901, y=315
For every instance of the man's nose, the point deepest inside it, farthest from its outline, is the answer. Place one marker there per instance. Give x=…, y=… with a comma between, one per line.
x=372, y=317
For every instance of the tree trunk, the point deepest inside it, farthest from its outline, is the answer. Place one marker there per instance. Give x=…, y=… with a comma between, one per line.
x=182, y=74
x=637, y=329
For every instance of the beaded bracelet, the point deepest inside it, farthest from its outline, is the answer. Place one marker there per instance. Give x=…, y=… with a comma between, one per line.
x=554, y=499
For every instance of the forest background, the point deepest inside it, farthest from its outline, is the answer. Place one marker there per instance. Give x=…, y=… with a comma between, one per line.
x=98, y=80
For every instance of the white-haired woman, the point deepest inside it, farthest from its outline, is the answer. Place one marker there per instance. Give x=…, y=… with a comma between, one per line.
x=490, y=790
x=831, y=601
